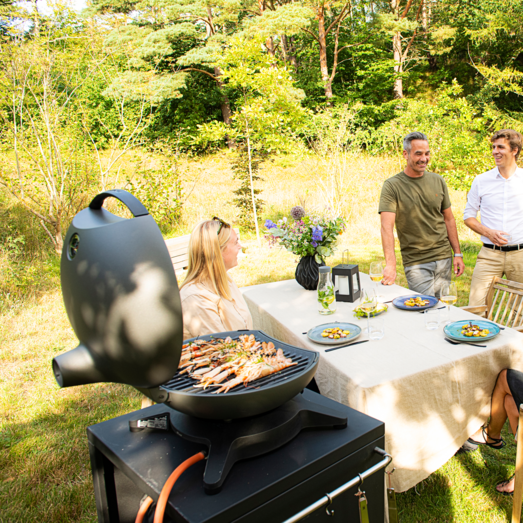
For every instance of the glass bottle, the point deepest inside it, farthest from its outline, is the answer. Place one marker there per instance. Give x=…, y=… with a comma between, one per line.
x=326, y=294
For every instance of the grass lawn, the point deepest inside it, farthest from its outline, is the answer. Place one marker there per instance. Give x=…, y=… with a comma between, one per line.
x=44, y=462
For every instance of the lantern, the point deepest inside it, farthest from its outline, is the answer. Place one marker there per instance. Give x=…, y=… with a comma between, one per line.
x=346, y=278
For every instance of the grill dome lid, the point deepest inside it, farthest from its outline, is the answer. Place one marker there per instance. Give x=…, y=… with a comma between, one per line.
x=122, y=299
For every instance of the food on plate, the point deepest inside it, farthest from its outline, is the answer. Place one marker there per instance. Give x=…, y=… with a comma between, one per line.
x=474, y=331
x=335, y=333
x=416, y=302
x=242, y=361
x=359, y=313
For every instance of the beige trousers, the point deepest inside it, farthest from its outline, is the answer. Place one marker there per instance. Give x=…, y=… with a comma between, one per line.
x=492, y=263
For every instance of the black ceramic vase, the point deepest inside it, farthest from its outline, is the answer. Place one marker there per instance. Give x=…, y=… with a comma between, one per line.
x=307, y=273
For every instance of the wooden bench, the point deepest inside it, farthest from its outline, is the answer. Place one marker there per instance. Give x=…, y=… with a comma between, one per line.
x=178, y=250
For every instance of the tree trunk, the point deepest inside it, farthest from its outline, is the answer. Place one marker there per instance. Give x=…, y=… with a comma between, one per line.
x=224, y=104
x=398, y=65
x=269, y=44
x=288, y=52
x=58, y=240
x=292, y=54
x=36, y=18
x=255, y=214
x=324, y=66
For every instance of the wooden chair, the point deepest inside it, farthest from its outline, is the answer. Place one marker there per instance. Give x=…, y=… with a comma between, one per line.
x=504, y=304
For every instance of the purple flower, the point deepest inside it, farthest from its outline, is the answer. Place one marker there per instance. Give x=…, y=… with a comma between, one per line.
x=314, y=244
x=297, y=212
x=270, y=224
x=317, y=234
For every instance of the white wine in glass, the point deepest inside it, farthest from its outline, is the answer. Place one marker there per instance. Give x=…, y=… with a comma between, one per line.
x=376, y=274
x=376, y=271
x=449, y=295
x=368, y=303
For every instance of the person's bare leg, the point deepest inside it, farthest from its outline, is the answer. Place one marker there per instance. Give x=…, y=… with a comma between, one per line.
x=498, y=412
x=513, y=419
x=513, y=413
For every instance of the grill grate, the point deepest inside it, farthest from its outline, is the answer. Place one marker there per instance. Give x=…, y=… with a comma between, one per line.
x=184, y=383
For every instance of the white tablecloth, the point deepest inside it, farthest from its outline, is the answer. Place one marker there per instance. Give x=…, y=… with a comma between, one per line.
x=431, y=395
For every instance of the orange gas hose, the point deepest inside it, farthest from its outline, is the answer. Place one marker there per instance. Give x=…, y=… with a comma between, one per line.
x=143, y=509
x=169, y=484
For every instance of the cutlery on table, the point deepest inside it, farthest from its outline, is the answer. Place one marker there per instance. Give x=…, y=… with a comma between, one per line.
x=347, y=345
x=464, y=342
x=438, y=309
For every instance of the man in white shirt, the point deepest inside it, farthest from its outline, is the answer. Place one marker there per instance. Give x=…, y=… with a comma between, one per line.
x=498, y=196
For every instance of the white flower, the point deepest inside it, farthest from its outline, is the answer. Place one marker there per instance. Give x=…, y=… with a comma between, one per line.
x=285, y=219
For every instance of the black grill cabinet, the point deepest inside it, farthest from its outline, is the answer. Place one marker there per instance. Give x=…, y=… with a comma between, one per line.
x=267, y=489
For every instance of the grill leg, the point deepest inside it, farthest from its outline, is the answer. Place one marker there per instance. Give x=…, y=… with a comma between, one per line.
x=104, y=487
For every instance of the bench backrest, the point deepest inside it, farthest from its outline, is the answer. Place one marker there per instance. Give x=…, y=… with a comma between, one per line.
x=178, y=249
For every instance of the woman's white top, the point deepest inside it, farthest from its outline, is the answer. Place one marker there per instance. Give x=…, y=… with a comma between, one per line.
x=205, y=312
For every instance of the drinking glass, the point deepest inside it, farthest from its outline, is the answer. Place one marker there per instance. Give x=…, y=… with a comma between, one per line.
x=377, y=328
x=368, y=304
x=508, y=237
x=326, y=293
x=449, y=295
x=376, y=273
x=431, y=319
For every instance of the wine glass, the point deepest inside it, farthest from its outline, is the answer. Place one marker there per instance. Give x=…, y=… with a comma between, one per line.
x=368, y=304
x=376, y=274
x=449, y=295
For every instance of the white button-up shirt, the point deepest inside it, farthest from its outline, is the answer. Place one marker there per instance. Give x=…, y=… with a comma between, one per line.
x=500, y=203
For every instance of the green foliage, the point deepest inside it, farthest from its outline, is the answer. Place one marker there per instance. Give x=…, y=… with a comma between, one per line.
x=28, y=266
x=457, y=130
x=268, y=108
x=158, y=186
x=243, y=199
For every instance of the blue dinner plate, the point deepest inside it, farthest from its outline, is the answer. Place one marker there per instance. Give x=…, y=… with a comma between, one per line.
x=399, y=302
x=314, y=334
x=453, y=330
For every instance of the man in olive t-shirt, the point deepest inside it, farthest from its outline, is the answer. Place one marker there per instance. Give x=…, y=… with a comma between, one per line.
x=417, y=201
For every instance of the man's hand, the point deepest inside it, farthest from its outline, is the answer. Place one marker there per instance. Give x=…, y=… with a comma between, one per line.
x=497, y=237
x=389, y=275
x=459, y=266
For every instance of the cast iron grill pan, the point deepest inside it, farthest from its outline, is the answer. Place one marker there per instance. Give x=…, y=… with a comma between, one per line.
x=243, y=401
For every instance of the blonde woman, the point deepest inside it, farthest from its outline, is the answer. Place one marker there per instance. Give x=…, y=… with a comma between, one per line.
x=211, y=301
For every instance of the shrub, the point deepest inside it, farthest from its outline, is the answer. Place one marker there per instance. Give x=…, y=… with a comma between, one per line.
x=457, y=129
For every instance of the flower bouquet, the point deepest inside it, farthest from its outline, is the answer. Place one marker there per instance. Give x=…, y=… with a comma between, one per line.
x=312, y=238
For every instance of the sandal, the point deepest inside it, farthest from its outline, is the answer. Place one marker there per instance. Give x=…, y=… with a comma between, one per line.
x=497, y=443
x=502, y=484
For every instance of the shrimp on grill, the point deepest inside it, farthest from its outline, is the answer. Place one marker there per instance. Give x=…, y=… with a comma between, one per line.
x=245, y=359
x=259, y=370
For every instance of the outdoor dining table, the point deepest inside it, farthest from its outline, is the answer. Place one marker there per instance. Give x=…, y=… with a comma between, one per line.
x=432, y=395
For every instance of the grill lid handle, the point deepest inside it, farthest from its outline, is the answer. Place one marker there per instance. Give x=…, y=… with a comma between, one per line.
x=131, y=202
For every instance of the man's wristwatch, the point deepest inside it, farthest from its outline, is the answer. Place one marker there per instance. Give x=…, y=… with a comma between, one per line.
x=458, y=255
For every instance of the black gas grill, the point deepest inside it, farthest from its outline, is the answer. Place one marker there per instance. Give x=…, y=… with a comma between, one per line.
x=242, y=401
x=122, y=299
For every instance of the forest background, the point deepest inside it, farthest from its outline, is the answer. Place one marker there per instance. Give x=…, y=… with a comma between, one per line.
x=139, y=95
x=224, y=107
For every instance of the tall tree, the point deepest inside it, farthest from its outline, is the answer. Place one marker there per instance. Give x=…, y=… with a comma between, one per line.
x=268, y=110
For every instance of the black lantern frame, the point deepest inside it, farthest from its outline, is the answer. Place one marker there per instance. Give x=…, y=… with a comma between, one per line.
x=352, y=273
